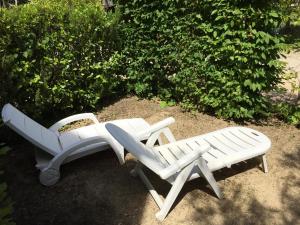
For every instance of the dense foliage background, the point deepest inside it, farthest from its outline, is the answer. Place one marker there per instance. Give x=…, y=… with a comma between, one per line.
x=58, y=56
x=217, y=56
x=214, y=56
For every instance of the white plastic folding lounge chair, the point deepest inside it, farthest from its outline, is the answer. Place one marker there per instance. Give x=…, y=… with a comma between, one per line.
x=184, y=160
x=63, y=147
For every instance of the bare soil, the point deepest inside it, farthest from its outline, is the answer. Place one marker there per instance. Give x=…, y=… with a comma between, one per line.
x=97, y=190
x=289, y=90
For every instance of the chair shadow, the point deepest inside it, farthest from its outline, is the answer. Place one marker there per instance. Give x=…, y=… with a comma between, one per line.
x=163, y=187
x=291, y=159
x=94, y=190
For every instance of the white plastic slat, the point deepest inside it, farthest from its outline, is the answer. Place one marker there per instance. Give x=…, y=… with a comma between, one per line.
x=230, y=141
x=212, y=162
x=193, y=145
x=176, y=151
x=167, y=155
x=226, y=145
x=181, y=150
x=244, y=137
x=183, y=146
x=176, y=157
x=208, y=157
x=199, y=141
x=240, y=138
x=160, y=158
x=253, y=134
x=217, y=153
x=222, y=149
x=237, y=140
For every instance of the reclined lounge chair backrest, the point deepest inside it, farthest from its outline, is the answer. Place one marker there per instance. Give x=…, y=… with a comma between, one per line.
x=135, y=147
x=31, y=130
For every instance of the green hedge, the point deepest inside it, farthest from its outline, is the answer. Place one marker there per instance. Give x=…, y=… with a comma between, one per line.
x=212, y=55
x=58, y=56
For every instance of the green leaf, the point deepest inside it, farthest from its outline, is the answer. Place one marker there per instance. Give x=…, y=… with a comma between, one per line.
x=215, y=34
x=274, y=14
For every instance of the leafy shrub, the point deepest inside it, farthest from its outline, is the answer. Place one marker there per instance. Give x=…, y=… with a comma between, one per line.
x=291, y=11
x=212, y=55
x=10, y=3
x=58, y=55
x=288, y=112
x=290, y=26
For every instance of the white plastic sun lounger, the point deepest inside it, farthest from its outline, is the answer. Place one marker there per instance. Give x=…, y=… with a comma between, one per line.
x=59, y=148
x=184, y=160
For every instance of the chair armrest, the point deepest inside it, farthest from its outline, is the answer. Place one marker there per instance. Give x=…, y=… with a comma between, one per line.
x=161, y=124
x=154, y=131
x=183, y=162
x=55, y=127
x=156, y=137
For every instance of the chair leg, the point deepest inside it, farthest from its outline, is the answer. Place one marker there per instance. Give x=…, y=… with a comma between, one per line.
x=207, y=174
x=134, y=171
x=159, y=139
x=264, y=163
x=42, y=159
x=49, y=176
x=176, y=188
x=49, y=171
x=169, y=135
x=150, y=188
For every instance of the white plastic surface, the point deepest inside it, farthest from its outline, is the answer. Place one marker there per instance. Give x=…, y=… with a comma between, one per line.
x=31, y=130
x=67, y=146
x=180, y=161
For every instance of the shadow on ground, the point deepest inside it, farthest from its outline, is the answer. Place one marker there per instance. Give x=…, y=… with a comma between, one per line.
x=97, y=190
x=93, y=190
x=241, y=206
x=238, y=210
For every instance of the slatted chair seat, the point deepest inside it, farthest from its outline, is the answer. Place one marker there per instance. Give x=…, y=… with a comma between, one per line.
x=227, y=146
x=187, y=159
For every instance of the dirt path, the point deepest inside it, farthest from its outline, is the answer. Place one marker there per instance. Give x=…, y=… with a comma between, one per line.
x=292, y=61
x=97, y=190
x=289, y=90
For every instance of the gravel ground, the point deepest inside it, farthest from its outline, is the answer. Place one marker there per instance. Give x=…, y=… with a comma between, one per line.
x=291, y=84
x=97, y=190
